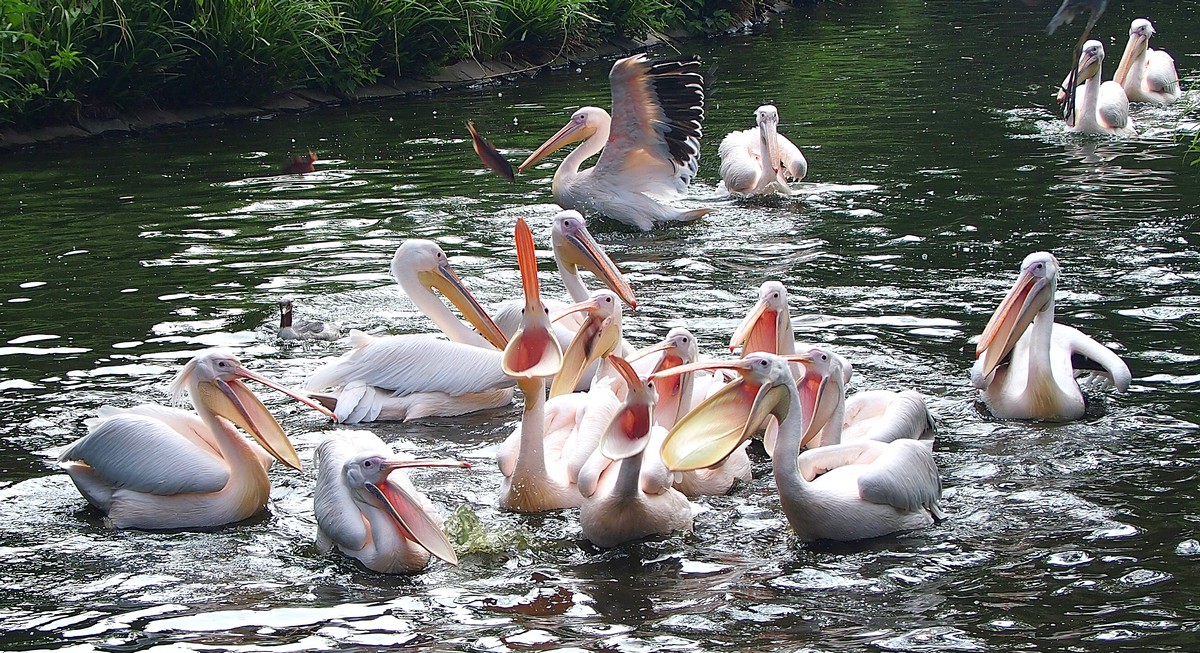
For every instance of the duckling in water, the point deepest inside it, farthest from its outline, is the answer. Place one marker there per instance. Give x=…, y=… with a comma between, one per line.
x=303, y=330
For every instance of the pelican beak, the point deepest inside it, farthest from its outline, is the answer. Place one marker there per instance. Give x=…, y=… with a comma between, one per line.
x=533, y=351
x=768, y=130
x=1089, y=65
x=628, y=433
x=447, y=282
x=584, y=252
x=646, y=351
x=408, y=513
x=596, y=338
x=714, y=429
x=1028, y=296
x=572, y=132
x=819, y=398
x=1138, y=42
x=759, y=330
x=235, y=402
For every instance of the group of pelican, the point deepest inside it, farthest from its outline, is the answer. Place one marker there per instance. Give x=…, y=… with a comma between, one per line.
x=628, y=436
x=1143, y=75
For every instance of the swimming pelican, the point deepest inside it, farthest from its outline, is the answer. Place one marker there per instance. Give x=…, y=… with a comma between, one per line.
x=573, y=248
x=759, y=161
x=768, y=327
x=406, y=377
x=599, y=336
x=304, y=329
x=368, y=508
x=535, y=476
x=146, y=472
x=1100, y=108
x=651, y=144
x=677, y=394
x=843, y=492
x=1146, y=74
x=633, y=498
x=1025, y=361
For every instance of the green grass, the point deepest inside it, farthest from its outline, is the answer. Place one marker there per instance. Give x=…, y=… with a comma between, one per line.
x=65, y=59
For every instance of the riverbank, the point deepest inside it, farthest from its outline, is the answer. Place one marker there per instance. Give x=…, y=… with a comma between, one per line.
x=512, y=58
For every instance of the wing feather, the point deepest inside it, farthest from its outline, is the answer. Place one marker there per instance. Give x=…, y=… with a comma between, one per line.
x=1113, y=106
x=338, y=518
x=904, y=476
x=143, y=454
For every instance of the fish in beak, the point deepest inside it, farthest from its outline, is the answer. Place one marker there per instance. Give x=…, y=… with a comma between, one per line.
x=629, y=432
x=577, y=249
x=489, y=155
x=446, y=281
x=227, y=396
x=599, y=336
x=533, y=351
x=407, y=511
x=766, y=324
x=715, y=428
x=1032, y=293
x=577, y=129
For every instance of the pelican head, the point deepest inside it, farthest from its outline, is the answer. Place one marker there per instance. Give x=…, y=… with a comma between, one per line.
x=822, y=390
x=583, y=124
x=679, y=348
x=768, y=325
x=533, y=351
x=425, y=261
x=213, y=380
x=629, y=432
x=599, y=336
x=575, y=248
x=1031, y=295
x=1090, y=60
x=715, y=428
x=367, y=475
x=767, y=119
x=1140, y=32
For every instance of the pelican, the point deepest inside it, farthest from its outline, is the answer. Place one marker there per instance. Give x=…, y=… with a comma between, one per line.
x=599, y=336
x=676, y=395
x=536, y=478
x=151, y=469
x=304, y=329
x=768, y=327
x=574, y=248
x=844, y=492
x=633, y=498
x=760, y=161
x=411, y=376
x=879, y=415
x=651, y=144
x=1100, y=108
x=1146, y=74
x=1025, y=361
x=368, y=508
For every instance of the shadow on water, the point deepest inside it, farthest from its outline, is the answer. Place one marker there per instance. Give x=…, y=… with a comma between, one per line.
x=936, y=164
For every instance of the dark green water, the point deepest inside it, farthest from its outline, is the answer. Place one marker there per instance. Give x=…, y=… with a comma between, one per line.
x=936, y=165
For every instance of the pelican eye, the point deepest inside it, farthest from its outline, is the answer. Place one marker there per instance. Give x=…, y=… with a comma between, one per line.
x=366, y=463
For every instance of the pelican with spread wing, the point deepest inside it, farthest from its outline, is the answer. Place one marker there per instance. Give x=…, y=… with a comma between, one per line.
x=650, y=143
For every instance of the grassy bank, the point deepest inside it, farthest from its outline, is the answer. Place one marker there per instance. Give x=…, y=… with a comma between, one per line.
x=62, y=59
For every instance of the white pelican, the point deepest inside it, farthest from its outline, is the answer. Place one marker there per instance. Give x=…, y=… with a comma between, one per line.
x=410, y=376
x=768, y=327
x=651, y=144
x=633, y=498
x=535, y=476
x=1146, y=74
x=304, y=329
x=1100, y=107
x=597, y=337
x=760, y=160
x=880, y=415
x=573, y=248
x=369, y=509
x=1025, y=361
x=677, y=394
x=843, y=492
x=144, y=471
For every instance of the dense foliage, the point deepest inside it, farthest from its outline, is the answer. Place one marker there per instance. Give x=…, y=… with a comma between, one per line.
x=64, y=58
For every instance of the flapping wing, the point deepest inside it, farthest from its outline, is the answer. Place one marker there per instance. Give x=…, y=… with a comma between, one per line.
x=658, y=110
x=413, y=363
x=1070, y=342
x=794, y=163
x=143, y=454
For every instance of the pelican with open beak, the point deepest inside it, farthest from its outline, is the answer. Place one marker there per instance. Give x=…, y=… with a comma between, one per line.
x=367, y=507
x=842, y=492
x=1025, y=362
x=146, y=472
x=761, y=160
x=407, y=377
x=597, y=337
